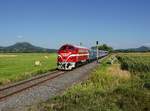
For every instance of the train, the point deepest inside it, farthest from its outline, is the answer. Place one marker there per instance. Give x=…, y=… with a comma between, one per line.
x=70, y=56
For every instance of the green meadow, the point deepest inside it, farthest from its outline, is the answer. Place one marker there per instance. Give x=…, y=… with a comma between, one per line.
x=113, y=86
x=19, y=66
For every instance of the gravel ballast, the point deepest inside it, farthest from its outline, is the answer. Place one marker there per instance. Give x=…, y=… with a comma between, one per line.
x=43, y=92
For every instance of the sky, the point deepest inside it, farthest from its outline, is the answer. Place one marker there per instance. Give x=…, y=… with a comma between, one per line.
x=52, y=23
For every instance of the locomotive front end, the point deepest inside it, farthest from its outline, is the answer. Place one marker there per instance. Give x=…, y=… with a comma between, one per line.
x=66, y=57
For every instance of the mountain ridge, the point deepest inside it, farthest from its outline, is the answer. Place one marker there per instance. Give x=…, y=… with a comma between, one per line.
x=24, y=47
x=139, y=49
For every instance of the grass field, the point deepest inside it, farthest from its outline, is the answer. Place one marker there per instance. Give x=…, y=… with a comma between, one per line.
x=18, y=66
x=110, y=88
x=139, y=62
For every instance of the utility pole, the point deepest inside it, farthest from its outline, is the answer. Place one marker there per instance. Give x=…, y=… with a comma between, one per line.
x=80, y=43
x=97, y=50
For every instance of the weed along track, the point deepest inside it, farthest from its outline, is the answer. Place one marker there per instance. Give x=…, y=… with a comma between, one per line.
x=13, y=89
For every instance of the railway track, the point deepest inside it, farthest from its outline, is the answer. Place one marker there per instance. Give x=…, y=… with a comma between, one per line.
x=13, y=89
x=10, y=90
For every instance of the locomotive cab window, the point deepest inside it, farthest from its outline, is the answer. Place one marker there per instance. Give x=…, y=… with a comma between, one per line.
x=63, y=48
x=71, y=48
x=66, y=47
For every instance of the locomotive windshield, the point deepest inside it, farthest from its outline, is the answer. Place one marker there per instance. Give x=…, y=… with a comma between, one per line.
x=66, y=47
x=63, y=48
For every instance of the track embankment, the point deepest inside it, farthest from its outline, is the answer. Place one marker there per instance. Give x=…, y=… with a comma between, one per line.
x=42, y=91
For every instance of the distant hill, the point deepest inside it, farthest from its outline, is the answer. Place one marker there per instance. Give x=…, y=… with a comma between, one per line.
x=139, y=49
x=25, y=47
x=142, y=48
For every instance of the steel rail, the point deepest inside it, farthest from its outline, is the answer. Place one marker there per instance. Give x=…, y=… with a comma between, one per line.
x=47, y=77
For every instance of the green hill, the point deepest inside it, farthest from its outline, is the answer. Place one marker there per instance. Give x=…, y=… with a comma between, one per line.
x=139, y=49
x=24, y=47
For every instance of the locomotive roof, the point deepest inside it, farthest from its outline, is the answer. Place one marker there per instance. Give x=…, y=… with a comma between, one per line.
x=80, y=47
x=77, y=46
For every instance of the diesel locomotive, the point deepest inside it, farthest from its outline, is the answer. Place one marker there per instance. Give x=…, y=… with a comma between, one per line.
x=69, y=56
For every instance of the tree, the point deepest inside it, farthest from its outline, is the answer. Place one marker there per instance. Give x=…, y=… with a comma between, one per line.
x=104, y=47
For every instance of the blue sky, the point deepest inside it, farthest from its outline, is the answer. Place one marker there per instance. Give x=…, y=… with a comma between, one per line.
x=51, y=23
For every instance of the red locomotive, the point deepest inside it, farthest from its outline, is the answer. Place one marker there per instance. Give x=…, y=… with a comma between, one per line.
x=71, y=55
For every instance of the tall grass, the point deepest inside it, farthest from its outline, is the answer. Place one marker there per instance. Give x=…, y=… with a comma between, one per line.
x=138, y=65
x=135, y=63
x=105, y=90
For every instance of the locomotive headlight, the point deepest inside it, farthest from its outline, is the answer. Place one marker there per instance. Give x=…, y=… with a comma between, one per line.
x=59, y=58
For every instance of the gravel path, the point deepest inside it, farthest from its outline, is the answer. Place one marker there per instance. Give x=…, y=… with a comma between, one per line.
x=21, y=101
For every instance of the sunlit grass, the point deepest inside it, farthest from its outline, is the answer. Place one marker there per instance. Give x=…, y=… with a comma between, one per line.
x=18, y=66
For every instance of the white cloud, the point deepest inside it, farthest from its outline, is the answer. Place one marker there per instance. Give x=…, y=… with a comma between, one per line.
x=147, y=44
x=19, y=36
